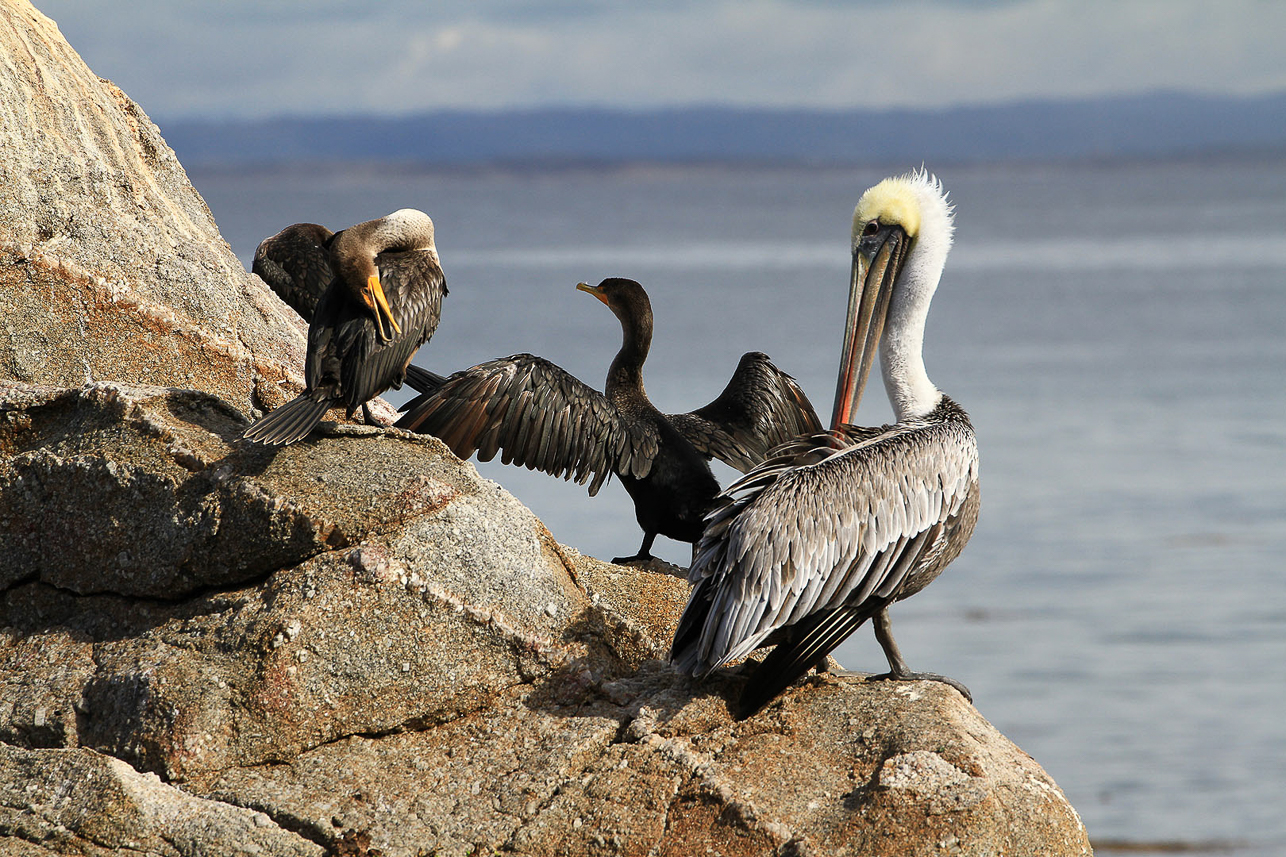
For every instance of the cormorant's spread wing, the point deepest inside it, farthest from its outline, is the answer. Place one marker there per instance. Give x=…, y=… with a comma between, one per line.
x=760, y=408
x=295, y=263
x=820, y=537
x=538, y=415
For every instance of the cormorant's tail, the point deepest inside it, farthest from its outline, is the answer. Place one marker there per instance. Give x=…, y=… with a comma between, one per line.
x=792, y=658
x=289, y=423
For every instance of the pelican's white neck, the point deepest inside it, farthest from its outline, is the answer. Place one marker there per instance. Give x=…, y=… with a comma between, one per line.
x=910, y=391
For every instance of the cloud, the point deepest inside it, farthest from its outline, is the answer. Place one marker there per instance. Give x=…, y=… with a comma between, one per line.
x=188, y=58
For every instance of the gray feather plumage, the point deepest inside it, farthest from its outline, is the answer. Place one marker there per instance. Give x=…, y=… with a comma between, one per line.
x=839, y=519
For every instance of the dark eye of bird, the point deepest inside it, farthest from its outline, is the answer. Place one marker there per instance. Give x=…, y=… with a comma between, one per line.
x=871, y=228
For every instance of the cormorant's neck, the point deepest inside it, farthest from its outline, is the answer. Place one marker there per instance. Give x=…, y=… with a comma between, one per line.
x=625, y=377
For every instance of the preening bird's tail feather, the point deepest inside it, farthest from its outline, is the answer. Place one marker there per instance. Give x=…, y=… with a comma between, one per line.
x=289, y=423
x=422, y=380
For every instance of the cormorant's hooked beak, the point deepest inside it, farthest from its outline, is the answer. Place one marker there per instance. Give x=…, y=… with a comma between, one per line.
x=593, y=290
x=876, y=263
x=373, y=295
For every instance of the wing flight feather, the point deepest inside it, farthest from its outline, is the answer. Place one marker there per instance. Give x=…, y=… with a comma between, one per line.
x=760, y=408
x=538, y=415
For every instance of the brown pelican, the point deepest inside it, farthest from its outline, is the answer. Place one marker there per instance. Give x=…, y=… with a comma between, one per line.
x=377, y=289
x=547, y=420
x=832, y=529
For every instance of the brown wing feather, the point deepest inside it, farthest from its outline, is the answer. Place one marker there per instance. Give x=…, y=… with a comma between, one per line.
x=760, y=408
x=295, y=263
x=539, y=415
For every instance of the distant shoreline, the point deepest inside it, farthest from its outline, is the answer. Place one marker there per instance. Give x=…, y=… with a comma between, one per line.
x=358, y=166
x=1162, y=125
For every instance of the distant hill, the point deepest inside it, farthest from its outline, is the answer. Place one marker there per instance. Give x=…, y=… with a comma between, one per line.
x=1142, y=126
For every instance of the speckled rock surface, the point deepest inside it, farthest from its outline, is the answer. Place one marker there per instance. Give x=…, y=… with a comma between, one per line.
x=81, y=802
x=146, y=491
x=425, y=669
x=355, y=645
x=110, y=263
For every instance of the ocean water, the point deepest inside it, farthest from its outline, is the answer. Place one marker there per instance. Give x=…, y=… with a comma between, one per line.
x=1117, y=332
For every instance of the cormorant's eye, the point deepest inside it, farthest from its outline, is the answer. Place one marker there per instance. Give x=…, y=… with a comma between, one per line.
x=871, y=228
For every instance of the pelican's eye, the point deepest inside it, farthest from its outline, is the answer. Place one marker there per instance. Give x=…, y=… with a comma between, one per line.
x=871, y=228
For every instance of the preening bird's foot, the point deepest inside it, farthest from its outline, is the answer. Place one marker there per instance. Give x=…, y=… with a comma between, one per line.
x=964, y=691
x=369, y=418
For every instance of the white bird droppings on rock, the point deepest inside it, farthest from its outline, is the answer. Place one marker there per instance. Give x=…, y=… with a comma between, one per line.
x=920, y=771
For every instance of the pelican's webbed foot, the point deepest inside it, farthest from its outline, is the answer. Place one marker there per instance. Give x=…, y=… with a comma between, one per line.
x=897, y=666
x=910, y=676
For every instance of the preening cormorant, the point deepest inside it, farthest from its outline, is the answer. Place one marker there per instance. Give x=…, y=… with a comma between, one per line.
x=372, y=294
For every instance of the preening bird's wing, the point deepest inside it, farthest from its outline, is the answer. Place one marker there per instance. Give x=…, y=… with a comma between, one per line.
x=342, y=340
x=295, y=263
x=414, y=285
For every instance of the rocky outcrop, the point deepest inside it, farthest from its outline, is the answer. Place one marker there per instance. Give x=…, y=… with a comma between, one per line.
x=82, y=802
x=355, y=645
x=110, y=263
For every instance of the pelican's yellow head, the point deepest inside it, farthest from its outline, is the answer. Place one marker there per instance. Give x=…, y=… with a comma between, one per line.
x=902, y=231
x=893, y=202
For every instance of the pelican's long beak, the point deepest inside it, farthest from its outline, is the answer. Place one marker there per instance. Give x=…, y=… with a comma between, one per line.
x=870, y=287
x=593, y=290
x=385, y=324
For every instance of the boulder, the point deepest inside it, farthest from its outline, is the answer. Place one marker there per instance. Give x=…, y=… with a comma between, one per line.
x=110, y=262
x=81, y=802
x=355, y=645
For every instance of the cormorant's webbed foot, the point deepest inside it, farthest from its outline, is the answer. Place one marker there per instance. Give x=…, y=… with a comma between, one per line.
x=644, y=554
x=641, y=556
x=910, y=676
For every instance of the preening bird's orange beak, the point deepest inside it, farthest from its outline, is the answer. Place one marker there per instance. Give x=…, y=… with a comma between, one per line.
x=385, y=324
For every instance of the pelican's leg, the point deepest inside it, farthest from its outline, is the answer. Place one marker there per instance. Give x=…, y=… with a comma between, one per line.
x=897, y=667
x=644, y=554
x=367, y=416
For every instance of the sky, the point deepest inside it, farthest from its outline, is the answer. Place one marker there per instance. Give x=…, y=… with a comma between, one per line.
x=257, y=58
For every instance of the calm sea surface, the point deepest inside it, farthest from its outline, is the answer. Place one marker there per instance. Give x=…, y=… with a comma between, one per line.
x=1118, y=334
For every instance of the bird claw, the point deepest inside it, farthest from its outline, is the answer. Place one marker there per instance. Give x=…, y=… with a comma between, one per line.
x=629, y=560
x=964, y=691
